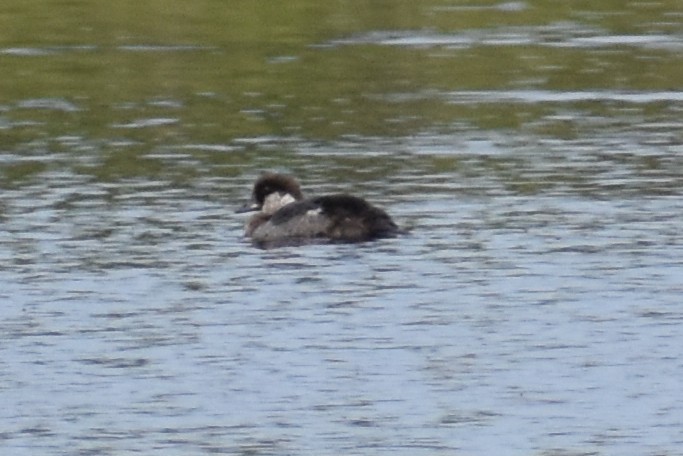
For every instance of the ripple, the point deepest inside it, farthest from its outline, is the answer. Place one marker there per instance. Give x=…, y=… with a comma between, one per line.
x=52, y=104
x=146, y=123
x=565, y=35
x=548, y=96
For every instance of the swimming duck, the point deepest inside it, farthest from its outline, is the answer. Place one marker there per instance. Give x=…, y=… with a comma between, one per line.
x=285, y=217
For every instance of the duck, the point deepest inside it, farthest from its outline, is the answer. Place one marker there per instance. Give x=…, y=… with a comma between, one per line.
x=285, y=217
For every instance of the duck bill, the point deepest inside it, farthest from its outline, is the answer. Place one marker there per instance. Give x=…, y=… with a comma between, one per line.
x=249, y=207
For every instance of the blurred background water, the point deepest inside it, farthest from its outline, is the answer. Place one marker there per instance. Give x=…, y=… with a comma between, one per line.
x=533, y=149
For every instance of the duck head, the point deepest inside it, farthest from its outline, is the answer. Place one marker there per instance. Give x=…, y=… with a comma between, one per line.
x=272, y=192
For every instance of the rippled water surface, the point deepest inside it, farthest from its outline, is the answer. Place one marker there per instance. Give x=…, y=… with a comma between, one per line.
x=532, y=150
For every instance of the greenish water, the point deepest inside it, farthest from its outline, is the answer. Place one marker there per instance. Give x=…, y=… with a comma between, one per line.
x=139, y=77
x=533, y=150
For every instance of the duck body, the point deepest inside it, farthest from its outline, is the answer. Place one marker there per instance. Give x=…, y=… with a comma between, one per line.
x=287, y=218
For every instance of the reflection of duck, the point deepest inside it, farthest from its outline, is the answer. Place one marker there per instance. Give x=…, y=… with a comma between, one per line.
x=285, y=217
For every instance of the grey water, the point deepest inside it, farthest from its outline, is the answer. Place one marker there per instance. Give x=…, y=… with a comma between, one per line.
x=534, y=306
x=500, y=324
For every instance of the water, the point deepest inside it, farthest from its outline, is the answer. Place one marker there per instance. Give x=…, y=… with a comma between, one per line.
x=534, y=153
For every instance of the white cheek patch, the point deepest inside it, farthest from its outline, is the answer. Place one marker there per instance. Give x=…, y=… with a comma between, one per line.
x=276, y=201
x=286, y=199
x=313, y=212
